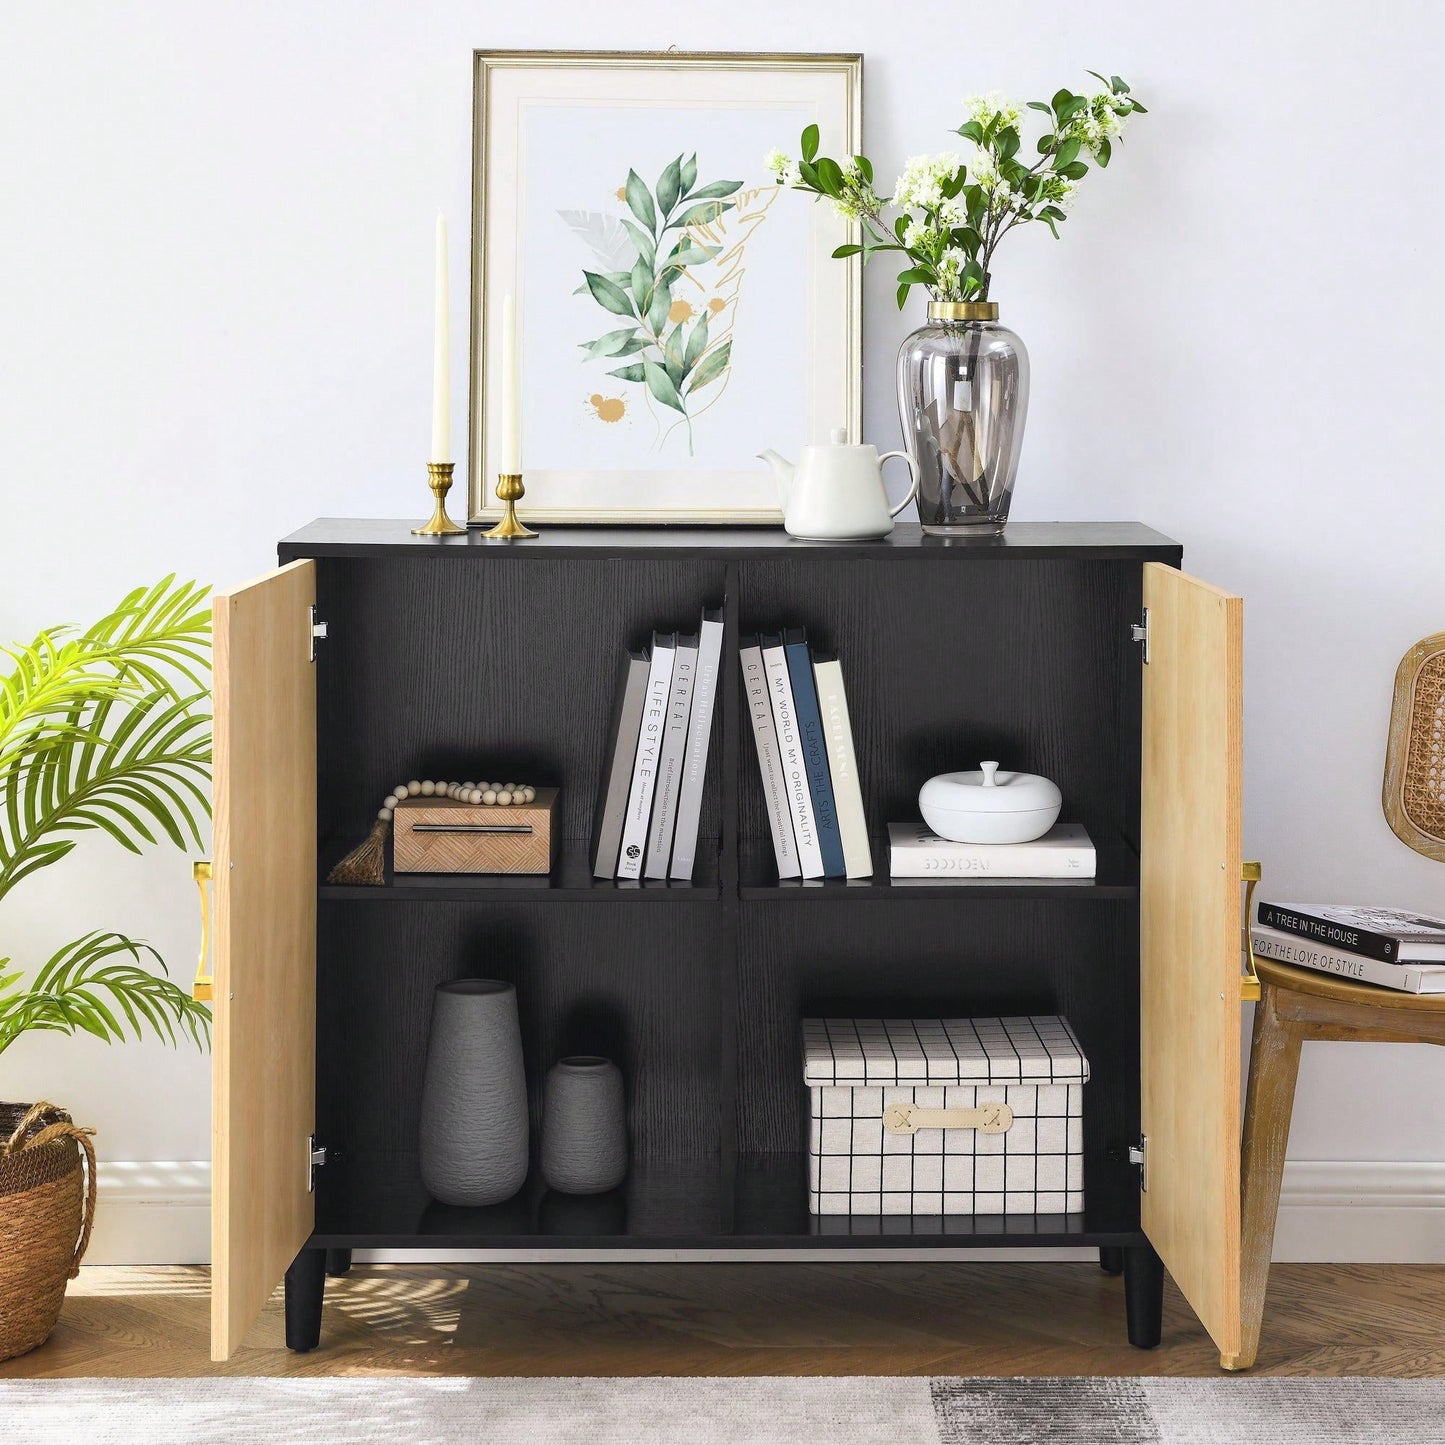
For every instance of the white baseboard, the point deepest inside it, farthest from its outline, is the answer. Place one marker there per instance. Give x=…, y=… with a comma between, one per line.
x=1342, y=1211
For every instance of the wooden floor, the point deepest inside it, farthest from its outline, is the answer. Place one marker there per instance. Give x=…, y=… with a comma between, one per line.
x=745, y=1319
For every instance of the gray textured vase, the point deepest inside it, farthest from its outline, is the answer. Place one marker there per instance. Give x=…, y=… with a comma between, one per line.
x=473, y=1143
x=584, y=1126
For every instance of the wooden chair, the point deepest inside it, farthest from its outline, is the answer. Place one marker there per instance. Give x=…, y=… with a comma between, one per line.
x=1298, y=1004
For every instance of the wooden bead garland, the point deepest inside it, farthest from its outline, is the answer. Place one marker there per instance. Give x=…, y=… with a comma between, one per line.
x=491, y=795
x=367, y=863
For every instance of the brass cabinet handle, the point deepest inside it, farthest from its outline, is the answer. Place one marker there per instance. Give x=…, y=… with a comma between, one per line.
x=201, y=989
x=1249, y=990
x=909, y=1118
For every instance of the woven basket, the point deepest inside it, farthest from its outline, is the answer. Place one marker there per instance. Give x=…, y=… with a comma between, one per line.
x=47, y=1204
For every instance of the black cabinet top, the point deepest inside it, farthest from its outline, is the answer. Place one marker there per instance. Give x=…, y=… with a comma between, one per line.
x=374, y=537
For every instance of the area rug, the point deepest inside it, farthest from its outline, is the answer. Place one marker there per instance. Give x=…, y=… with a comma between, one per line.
x=770, y=1411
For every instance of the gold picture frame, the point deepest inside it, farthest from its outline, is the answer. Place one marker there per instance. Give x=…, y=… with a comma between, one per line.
x=535, y=214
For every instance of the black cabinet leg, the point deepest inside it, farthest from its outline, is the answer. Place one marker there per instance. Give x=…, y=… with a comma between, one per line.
x=305, y=1285
x=1111, y=1258
x=1144, y=1295
x=338, y=1262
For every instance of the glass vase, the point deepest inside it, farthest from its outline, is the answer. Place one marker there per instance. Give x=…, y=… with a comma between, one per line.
x=963, y=394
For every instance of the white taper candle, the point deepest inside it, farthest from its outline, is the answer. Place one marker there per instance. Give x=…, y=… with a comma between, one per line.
x=441, y=412
x=511, y=391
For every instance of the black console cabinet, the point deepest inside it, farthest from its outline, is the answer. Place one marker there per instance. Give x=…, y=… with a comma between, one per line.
x=456, y=657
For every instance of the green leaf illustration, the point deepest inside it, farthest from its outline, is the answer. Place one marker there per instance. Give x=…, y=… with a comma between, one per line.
x=699, y=215
x=631, y=372
x=615, y=343
x=689, y=173
x=716, y=190
x=641, y=283
x=672, y=355
x=669, y=186
x=660, y=304
x=646, y=246
x=609, y=294
x=660, y=385
x=696, y=343
x=710, y=368
x=639, y=198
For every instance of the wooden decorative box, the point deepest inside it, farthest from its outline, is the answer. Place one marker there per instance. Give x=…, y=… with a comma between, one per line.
x=441, y=835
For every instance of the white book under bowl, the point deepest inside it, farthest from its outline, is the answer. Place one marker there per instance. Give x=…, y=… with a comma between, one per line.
x=1063, y=852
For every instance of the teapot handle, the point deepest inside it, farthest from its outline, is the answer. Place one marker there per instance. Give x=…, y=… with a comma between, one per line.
x=913, y=474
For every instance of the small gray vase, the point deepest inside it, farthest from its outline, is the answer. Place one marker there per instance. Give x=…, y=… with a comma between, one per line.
x=473, y=1145
x=584, y=1126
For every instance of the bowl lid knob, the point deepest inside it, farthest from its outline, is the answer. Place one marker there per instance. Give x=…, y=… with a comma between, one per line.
x=988, y=770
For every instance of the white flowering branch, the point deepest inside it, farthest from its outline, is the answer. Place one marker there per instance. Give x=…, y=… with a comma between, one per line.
x=952, y=210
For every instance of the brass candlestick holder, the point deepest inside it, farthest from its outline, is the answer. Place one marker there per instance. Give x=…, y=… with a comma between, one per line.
x=509, y=492
x=439, y=479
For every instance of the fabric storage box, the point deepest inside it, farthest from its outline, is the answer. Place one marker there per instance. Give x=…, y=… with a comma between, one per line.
x=945, y=1116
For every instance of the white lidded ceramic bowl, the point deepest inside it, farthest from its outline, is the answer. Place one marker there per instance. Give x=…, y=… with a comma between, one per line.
x=989, y=806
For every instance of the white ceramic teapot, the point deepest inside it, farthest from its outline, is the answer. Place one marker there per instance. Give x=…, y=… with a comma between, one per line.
x=836, y=492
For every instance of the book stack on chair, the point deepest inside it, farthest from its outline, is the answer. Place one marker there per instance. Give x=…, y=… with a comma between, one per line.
x=804, y=742
x=647, y=818
x=1384, y=946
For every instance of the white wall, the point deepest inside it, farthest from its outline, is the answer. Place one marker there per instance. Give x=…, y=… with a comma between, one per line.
x=215, y=272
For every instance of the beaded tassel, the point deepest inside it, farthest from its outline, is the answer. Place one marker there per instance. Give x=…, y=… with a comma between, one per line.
x=366, y=865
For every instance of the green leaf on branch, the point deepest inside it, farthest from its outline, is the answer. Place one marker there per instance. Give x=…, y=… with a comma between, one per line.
x=715, y=191
x=1136, y=107
x=710, y=367
x=971, y=130
x=1038, y=105
x=639, y=199
x=615, y=343
x=843, y=251
x=669, y=186
x=1006, y=143
x=696, y=343
x=916, y=276
x=1101, y=156
x=1061, y=99
x=642, y=283
x=1074, y=171
x=672, y=355
x=688, y=175
x=1067, y=151
x=646, y=246
x=609, y=294
x=864, y=167
x=902, y=295
x=660, y=384
x=830, y=175
x=659, y=305
x=630, y=372
x=699, y=215
x=809, y=142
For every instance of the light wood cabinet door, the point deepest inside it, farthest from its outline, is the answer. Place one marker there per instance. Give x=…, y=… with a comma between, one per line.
x=264, y=1067
x=1189, y=921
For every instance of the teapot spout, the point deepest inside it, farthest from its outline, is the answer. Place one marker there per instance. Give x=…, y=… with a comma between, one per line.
x=782, y=474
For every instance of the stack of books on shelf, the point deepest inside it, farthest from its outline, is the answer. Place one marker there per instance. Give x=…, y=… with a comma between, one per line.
x=1384, y=946
x=1065, y=851
x=647, y=817
x=804, y=743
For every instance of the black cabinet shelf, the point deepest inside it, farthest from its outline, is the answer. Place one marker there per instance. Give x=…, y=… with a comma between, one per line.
x=570, y=881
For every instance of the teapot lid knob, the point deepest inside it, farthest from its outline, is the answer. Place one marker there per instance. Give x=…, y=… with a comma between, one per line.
x=838, y=436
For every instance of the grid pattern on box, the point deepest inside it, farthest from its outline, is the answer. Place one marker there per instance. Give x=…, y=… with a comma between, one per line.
x=858, y=1165
x=941, y=1051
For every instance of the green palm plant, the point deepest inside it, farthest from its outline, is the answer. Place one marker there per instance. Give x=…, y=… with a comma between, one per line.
x=105, y=729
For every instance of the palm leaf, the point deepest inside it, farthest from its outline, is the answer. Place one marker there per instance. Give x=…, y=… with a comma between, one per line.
x=97, y=985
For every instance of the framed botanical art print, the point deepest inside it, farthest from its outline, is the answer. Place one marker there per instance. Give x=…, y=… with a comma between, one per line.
x=676, y=311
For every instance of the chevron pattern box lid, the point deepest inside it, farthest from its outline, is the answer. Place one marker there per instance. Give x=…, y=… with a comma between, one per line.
x=1039, y=1049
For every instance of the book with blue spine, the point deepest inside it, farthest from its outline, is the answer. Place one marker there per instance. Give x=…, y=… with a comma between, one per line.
x=815, y=751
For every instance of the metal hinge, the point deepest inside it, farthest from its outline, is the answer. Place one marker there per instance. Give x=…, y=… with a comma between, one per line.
x=315, y=1158
x=318, y=631
x=1139, y=632
x=1139, y=1154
